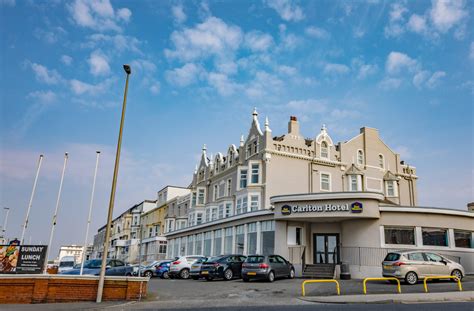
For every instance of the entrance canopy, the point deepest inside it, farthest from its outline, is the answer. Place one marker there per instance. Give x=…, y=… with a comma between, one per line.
x=324, y=207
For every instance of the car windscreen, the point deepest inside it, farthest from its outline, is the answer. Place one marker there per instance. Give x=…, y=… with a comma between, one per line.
x=214, y=259
x=93, y=264
x=392, y=257
x=63, y=264
x=255, y=259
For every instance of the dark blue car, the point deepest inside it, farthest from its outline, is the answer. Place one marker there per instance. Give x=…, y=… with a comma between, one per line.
x=162, y=269
x=92, y=267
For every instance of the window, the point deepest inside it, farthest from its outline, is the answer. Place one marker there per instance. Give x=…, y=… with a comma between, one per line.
x=416, y=256
x=228, y=240
x=433, y=257
x=190, y=248
x=198, y=218
x=255, y=173
x=463, y=239
x=208, y=214
x=324, y=150
x=220, y=214
x=252, y=238
x=254, y=203
x=245, y=204
x=325, y=182
x=229, y=187
x=268, y=237
x=215, y=196
x=435, y=236
x=228, y=210
x=399, y=235
x=360, y=157
x=381, y=161
x=176, y=247
x=255, y=146
x=239, y=206
x=207, y=243
x=390, y=188
x=354, y=185
x=150, y=232
x=298, y=236
x=249, y=150
x=193, y=202
x=221, y=189
x=217, y=242
x=239, y=239
x=243, y=178
x=201, y=196
x=198, y=245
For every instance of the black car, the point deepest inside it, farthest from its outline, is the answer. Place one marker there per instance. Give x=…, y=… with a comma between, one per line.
x=267, y=267
x=225, y=266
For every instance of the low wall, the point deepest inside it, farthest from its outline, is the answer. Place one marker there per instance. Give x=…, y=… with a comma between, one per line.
x=34, y=288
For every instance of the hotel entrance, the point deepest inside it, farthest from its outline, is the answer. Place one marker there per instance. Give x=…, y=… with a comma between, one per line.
x=326, y=248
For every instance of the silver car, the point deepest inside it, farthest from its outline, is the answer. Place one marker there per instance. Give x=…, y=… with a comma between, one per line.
x=412, y=266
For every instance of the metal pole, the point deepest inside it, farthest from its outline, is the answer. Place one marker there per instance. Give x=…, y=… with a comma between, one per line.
x=90, y=212
x=25, y=225
x=4, y=228
x=55, y=216
x=100, y=288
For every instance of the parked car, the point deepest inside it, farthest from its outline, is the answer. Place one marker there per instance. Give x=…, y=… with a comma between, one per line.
x=148, y=270
x=225, y=266
x=412, y=266
x=181, y=266
x=267, y=267
x=195, y=271
x=92, y=267
x=162, y=270
x=66, y=263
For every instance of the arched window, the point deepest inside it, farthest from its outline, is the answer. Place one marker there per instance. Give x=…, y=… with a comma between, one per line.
x=360, y=157
x=324, y=150
x=381, y=161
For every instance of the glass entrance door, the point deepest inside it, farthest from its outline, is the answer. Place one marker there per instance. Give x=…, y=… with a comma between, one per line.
x=326, y=248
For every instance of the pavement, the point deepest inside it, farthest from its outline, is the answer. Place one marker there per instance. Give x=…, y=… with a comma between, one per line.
x=282, y=295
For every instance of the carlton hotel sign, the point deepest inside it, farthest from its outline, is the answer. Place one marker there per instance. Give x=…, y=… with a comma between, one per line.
x=355, y=207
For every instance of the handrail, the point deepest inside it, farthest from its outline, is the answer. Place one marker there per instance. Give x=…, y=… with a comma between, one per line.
x=382, y=279
x=338, y=288
x=303, y=258
x=425, y=285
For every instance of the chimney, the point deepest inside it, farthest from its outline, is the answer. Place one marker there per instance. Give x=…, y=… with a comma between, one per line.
x=470, y=207
x=293, y=126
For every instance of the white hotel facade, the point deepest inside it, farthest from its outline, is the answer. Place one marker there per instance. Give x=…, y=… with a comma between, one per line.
x=314, y=202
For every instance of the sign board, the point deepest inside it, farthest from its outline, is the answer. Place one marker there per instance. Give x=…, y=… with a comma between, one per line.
x=22, y=259
x=356, y=207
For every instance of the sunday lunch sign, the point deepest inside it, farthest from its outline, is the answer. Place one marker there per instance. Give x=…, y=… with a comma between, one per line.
x=22, y=259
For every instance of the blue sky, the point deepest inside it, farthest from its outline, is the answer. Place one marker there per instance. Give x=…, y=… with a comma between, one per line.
x=199, y=68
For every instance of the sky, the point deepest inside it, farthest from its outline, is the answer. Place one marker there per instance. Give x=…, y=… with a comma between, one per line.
x=198, y=70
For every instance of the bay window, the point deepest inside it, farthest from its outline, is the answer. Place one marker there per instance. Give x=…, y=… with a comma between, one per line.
x=243, y=178
x=254, y=203
x=399, y=235
x=435, y=236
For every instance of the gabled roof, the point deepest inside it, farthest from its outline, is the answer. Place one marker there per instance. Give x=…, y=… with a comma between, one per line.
x=389, y=176
x=353, y=170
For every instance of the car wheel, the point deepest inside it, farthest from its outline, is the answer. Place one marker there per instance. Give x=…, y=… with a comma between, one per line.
x=457, y=274
x=148, y=274
x=165, y=275
x=184, y=274
x=245, y=279
x=411, y=278
x=228, y=274
x=292, y=274
x=271, y=276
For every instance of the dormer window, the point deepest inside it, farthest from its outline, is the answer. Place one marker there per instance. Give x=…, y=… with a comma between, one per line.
x=324, y=150
x=255, y=146
x=381, y=161
x=360, y=157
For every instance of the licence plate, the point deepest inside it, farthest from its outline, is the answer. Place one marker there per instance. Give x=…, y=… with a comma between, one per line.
x=194, y=267
x=205, y=272
x=251, y=273
x=387, y=267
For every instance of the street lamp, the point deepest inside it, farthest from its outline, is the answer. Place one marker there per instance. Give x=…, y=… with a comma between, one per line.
x=100, y=288
x=25, y=225
x=5, y=221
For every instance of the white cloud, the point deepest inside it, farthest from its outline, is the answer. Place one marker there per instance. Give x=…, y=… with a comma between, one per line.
x=420, y=78
x=222, y=83
x=120, y=42
x=263, y=85
x=178, y=14
x=98, y=63
x=45, y=75
x=336, y=69
x=49, y=36
x=434, y=80
x=257, y=41
x=155, y=88
x=417, y=24
x=317, y=32
x=395, y=27
x=397, y=62
x=227, y=67
x=213, y=37
x=66, y=60
x=143, y=66
x=363, y=70
x=80, y=88
x=390, y=83
x=445, y=14
x=43, y=97
x=424, y=78
x=287, y=70
x=98, y=15
x=184, y=76
x=287, y=10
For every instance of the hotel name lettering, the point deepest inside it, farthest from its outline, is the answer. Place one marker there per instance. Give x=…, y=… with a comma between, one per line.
x=355, y=207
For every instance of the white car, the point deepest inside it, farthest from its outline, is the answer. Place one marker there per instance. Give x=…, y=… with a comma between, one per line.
x=181, y=266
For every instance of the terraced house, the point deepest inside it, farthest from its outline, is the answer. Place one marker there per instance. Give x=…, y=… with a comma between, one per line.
x=314, y=201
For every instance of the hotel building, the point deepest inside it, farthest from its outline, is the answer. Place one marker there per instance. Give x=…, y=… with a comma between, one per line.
x=313, y=201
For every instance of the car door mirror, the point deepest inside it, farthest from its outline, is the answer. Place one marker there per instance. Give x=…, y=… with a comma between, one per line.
x=108, y=267
x=444, y=261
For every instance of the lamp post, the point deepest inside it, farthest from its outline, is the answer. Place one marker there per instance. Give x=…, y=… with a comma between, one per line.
x=90, y=212
x=25, y=225
x=100, y=288
x=5, y=221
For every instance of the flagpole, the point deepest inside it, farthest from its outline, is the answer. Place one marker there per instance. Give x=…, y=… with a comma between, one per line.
x=55, y=216
x=90, y=212
x=25, y=225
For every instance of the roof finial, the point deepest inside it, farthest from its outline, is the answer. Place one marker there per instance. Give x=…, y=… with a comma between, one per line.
x=241, y=140
x=204, y=148
x=195, y=169
x=255, y=113
x=267, y=125
x=324, y=129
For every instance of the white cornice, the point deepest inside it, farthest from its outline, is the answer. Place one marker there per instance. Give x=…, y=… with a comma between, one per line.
x=426, y=210
x=327, y=196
